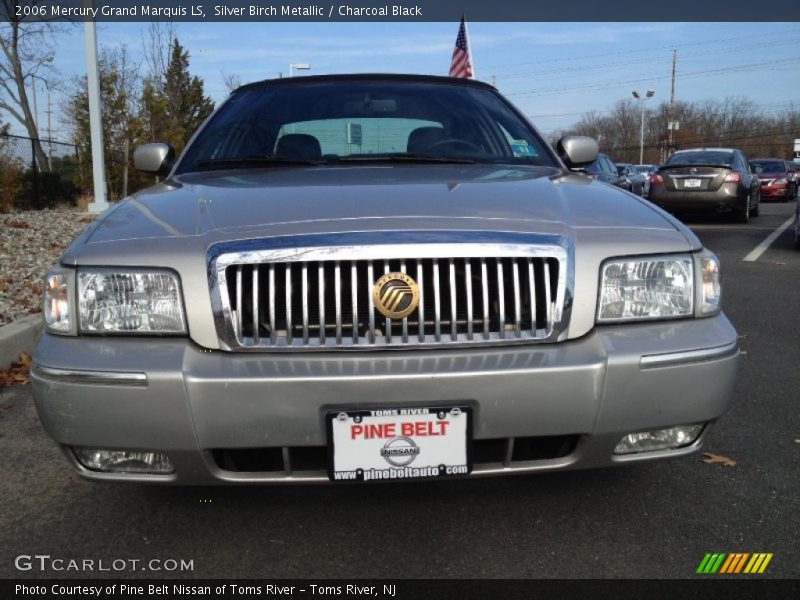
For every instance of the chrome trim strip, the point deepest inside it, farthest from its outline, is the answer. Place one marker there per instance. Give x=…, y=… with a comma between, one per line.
x=654, y=361
x=321, y=288
x=90, y=377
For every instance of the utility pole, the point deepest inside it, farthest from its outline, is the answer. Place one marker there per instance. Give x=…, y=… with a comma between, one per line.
x=100, y=202
x=49, y=134
x=671, y=125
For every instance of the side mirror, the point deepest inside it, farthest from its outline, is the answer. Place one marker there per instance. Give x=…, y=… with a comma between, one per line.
x=155, y=158
x=577, y=150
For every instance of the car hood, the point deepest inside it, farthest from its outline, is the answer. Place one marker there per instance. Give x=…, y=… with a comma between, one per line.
x=177, y=223
x=243, y=204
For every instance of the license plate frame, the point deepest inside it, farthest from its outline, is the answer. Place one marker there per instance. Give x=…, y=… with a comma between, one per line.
x=375, y=466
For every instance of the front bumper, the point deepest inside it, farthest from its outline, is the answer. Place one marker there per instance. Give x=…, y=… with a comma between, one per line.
x=195, y=405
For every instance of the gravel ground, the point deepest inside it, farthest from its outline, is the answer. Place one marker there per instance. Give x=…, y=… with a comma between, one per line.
x=30, y=243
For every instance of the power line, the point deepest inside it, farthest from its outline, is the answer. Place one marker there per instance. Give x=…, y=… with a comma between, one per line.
x=691, y=74
x=654, y=49
x=625, y=65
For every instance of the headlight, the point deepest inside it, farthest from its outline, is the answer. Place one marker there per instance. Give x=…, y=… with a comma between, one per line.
x=130, y=302
x=55, y=302
x=781, y=181
x=656, y=287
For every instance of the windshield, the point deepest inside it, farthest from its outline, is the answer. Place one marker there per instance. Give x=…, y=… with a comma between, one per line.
x=769, y=166
x=336, y=122
x=703, y=157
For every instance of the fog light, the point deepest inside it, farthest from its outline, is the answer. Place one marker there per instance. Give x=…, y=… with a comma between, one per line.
x=123, y=461
x=659, y=439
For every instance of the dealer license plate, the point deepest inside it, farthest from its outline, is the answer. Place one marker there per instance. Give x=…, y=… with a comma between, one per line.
x=399, y=443
x=692, y=183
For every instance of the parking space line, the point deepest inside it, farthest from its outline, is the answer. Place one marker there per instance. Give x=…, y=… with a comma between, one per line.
x=756, y=252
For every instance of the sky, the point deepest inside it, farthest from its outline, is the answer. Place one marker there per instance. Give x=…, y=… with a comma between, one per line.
x=553, y=72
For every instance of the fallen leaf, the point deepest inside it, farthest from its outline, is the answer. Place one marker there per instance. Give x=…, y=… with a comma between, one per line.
x=716, y=458
x=6, y=407
x=18, y=372
x=16, y=224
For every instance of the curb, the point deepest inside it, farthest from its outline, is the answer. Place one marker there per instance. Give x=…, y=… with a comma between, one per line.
x=19, y=336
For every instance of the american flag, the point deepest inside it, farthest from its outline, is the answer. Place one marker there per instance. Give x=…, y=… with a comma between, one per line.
x=461, y=63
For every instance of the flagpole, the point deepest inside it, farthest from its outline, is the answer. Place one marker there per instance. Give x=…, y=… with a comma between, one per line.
x=469, y=46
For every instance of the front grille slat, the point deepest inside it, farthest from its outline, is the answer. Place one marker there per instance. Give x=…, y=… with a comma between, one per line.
x=239, y=307
x=437, y=303
x=304, y=273
x=517, y=303
x=548, y=303
x=462, y=300
x=485, y=297
x=371, y=277
x=338, y=299
x=453, y=302
x=289, y=336
x=532, y=288
x=421, y=307
x=256, y=311
x=468, y=281
x=501, y=299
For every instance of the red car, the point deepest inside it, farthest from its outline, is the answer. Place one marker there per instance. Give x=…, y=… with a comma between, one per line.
x=778, y=180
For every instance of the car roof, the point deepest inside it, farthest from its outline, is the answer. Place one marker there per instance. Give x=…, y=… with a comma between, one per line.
x=310, y=79
x=769, y=159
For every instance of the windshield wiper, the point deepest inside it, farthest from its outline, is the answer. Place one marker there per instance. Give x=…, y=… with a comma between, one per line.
x=256, y=161
x=408, y=158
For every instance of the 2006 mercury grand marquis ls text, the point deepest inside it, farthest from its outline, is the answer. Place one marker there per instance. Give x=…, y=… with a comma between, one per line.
x=376, y=277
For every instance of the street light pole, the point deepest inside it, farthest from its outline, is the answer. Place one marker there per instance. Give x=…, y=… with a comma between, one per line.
x=299, y=67
x=641, y=99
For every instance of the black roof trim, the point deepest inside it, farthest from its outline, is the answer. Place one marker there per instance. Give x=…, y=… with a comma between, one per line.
x=366, y=77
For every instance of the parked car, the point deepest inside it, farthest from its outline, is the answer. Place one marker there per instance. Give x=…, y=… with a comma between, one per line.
x=443, y=299
x=647, y=171
x=634, y=178
x=797, y=226
x=777, y=178
x=603, y=169
x=709, y=180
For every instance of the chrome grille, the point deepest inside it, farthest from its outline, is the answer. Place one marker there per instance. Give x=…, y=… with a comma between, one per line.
x=327, y=304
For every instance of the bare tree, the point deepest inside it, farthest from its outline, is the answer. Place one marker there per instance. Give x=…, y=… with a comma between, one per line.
x=232, y=81
x=157, y=44
x=26, y=54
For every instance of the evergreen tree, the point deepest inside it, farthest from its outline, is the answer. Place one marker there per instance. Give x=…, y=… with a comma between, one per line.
x=186, y=103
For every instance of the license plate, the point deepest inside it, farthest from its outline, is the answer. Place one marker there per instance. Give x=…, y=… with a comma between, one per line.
x=692, y=183
x=399, y=443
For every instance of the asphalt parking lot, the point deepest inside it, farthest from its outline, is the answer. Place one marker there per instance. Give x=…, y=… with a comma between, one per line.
x=648, y=521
